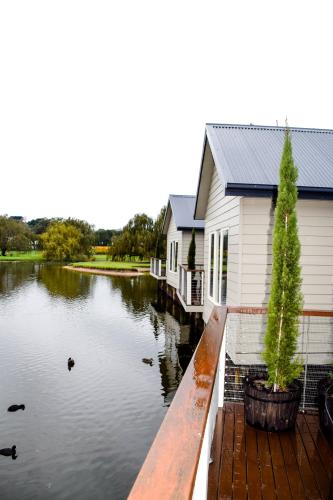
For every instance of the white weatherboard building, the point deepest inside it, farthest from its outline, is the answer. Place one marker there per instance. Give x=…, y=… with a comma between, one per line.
x=177, y=227
x=236, y=196
x=233, y=215
x=186, y=285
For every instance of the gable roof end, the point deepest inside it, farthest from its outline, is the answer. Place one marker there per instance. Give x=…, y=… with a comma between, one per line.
x=182, y=209
x=247, y=159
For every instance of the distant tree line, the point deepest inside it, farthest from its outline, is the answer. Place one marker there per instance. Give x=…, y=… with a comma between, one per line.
x=73, y=239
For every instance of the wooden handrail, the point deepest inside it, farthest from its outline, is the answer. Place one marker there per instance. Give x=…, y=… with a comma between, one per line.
x=169, y=470
x=263, y=310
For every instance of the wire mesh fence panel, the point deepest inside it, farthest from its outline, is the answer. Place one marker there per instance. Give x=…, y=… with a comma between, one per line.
x=244, y=344
x=196, y=287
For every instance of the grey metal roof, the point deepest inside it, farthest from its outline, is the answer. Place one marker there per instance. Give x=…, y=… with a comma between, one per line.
x=182, y=208
x=249, y=155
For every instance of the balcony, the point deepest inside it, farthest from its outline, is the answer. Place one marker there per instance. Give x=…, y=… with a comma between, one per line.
x=190, y=289
x=158, y=268
x=205, y=449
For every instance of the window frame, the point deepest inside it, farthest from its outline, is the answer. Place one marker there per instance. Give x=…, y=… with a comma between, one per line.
x=215, y=271
x=173, y=256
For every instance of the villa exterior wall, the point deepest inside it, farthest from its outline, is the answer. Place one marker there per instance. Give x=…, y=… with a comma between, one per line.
x=173, y=235
x=223, y=212
x=315, y=223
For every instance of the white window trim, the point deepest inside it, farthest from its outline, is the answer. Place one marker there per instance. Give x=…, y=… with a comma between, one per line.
x=216, y=298
x=172, y=262
x=223, y=232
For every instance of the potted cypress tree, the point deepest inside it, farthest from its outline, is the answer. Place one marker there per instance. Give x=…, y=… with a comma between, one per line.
x=272, y=400
x=191, y=266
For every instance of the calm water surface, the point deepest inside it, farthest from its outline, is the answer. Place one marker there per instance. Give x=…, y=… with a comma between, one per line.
x=85, y=432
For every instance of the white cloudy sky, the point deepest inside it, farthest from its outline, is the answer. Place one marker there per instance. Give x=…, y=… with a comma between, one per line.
x=103, y=103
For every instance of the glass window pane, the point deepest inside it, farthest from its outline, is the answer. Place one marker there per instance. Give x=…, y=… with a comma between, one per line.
x=211, y=270
x=224, y=268
x=219, y=262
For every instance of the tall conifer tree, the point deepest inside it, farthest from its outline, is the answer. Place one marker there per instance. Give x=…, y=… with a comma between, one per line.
x=191, y=252
x=285, y=302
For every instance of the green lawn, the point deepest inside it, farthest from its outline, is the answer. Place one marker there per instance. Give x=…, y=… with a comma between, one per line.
x=99, y=261
x=14, y=256
x=108, y=264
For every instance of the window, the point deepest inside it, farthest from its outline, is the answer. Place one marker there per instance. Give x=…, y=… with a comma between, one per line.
x=218, y=266
x=211, y=264
x=176, y=257
x=224, y=268
x=173, y=262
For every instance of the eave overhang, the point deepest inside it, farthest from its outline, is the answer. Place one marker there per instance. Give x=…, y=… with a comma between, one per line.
x=262, y=191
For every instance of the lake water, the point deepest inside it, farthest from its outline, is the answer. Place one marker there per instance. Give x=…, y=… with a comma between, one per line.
x=84, y=433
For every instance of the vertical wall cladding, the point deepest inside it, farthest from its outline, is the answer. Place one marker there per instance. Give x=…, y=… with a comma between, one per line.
x=315, y=223
x=223, y=212
x=173, y=235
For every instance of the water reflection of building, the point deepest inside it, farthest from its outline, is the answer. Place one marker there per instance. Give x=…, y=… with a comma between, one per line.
x=137, y=292
x=177, y=344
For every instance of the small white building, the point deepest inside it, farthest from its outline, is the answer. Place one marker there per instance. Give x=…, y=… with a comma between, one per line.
x=186, y=284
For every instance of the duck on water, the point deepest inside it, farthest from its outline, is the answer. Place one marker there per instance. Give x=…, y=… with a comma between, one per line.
x=9, y=452
x=70, y=363
x=16, y=407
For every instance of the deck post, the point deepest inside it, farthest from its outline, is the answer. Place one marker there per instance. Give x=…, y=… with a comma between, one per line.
x=221, y=369
x=189, y=288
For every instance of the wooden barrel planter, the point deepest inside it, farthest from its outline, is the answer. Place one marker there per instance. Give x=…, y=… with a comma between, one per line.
x=267, y=410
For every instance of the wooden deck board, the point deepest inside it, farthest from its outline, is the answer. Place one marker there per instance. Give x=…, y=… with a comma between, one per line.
x=227, y=452
x=258, y=465
x=239, y=475
x=319, y=472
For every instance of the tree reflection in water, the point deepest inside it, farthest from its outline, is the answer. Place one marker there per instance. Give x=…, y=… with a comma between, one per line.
x=61, y=282
x=13, y=275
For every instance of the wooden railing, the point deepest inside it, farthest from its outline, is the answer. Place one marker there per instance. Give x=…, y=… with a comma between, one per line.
x=180, y=452
x=191, y=285
x=263, y=310
x=176, y=466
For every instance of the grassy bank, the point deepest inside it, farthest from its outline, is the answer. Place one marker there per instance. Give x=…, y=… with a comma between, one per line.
x=22, y=256
x=110, y=265
x=99, y=261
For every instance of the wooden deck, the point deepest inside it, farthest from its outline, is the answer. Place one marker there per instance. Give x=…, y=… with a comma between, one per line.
x=252, y=464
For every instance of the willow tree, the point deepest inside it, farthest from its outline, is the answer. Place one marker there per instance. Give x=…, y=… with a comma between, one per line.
x=285, y=301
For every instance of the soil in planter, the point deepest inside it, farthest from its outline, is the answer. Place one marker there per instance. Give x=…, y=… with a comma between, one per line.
x=268, y=410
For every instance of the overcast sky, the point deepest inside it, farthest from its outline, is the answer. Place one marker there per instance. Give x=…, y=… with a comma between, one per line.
x=103, y=104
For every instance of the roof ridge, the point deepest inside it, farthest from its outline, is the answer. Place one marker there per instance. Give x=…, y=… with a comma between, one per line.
x=270, y=127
